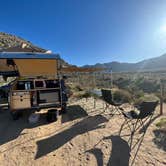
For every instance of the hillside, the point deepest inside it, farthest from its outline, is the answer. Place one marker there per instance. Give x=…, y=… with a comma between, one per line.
x=153, y=64
x=13, y=43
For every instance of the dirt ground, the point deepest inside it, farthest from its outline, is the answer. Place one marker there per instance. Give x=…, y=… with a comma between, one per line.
x=85, y=136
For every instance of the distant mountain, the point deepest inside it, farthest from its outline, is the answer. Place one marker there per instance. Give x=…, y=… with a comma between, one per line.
x=153, y=64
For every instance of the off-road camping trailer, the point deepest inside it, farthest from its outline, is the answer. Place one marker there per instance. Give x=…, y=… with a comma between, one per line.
x=37, y=84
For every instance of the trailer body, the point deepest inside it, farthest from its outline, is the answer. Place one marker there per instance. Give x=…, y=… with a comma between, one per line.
x=37, y=84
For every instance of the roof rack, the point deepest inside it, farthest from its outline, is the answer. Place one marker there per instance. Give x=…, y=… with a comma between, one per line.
x=28, y=55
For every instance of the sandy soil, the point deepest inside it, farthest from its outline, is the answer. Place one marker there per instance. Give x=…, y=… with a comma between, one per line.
x=85, y=136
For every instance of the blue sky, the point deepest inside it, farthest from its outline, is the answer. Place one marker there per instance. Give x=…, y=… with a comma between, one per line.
x=90, y=31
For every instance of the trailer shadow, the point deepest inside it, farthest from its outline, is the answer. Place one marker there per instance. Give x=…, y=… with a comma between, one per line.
x=10, y=130
x=54, y=142
x=73, y=112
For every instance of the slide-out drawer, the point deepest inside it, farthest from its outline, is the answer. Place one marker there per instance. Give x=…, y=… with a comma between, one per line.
x=18, y=95
x=21, y=97
x=49, y=96
x=20, y=100
x=20, y=104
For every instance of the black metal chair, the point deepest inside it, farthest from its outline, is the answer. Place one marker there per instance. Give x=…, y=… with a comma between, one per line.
x=108, y=99
x=146, y=111
x=132, y=119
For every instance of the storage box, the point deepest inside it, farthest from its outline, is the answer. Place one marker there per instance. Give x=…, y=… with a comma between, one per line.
x=20, y=100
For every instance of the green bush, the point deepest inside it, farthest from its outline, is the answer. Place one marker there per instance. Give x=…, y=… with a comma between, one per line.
x=162, y=123
x=81, y=94
x=138, y=94
x=86, y=94
x=120, y=95
x=148, y=86
x=122, y=83
x=78, y=88
x=146, y=97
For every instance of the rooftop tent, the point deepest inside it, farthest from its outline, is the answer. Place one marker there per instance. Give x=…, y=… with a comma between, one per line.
x=29, y=64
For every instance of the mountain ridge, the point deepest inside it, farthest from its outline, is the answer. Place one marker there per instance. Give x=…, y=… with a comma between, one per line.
x=151, y=64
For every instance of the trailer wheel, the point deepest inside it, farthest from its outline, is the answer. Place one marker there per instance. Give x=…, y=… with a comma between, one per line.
x=51, y=115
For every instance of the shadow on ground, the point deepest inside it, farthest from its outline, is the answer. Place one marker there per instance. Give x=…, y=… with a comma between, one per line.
x=54, y=142
x=73, y=112
x=121, y=149
x=98, y=155
x=160, y=138
x=10, y=129
x=120, y=153
x=139, y=137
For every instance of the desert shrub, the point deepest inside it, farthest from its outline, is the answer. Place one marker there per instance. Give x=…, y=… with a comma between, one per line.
x=82, y=94
x=122, y=83
x=158, y=94
x=138, y=94
x=146, y=97
x=120, y=95
x=78, y=88
x=148, y=86
x=86, y=94
x=78, y=95
x=74, y=87
x=74, y=90
x=161, y=123
x=138, y=84
x=160, y=134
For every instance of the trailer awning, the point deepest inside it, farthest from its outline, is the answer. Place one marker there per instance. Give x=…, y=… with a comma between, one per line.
x=29, y=64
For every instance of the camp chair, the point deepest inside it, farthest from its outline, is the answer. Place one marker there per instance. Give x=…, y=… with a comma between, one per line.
x=108, y=98
x=146, y=111
x=136, y=120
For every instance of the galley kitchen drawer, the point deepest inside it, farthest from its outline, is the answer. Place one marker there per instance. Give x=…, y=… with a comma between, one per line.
x=20, y=95
x=20, y=104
